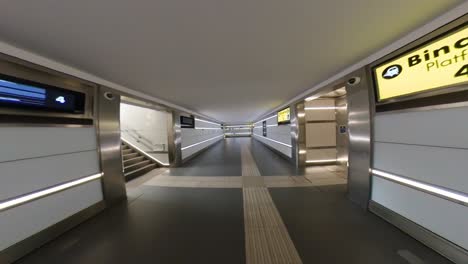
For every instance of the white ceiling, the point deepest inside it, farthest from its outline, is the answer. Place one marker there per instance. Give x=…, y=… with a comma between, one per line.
x=231, y=60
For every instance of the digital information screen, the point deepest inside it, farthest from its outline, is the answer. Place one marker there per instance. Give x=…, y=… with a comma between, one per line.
x=440, y=63
x=18, y=93
x=187, y=122
x=284, y=116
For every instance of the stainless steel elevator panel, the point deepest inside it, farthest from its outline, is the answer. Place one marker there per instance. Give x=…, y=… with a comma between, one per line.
x=298, y=135
x=174, y=134
x=342, y=132
x=359, y=133
x=108, y=124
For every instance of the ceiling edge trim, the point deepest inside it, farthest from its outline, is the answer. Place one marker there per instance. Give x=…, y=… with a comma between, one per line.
x=32, y=57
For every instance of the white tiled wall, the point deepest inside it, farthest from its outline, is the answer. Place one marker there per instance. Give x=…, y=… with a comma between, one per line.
x=275, y=133
x=431, y=147
x=36, y=158
x=203, y=131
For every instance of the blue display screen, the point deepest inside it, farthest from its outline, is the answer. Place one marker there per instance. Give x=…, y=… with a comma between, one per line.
x=18, y=93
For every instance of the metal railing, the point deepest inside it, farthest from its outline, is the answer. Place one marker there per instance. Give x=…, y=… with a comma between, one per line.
x=147, y=143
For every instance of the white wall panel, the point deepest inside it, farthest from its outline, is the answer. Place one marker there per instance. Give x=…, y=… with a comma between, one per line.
x=34, y=158
x=192, y=136
x=26, y=220
x=200, y=123
x=321, y=154
x=149, y=123
x=29, y=142
x=279, y=147
x=320, y=134
x=322, y=114
x=443, y=127
x=430, y=146
x=24, y=176
x=443, y=217
x=190, y=151
x=447, y=167
x=275, y=132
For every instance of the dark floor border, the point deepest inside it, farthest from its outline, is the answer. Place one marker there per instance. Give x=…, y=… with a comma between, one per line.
x=26, y=246
x=281, y=154
x=444, y=247
x=200, y=151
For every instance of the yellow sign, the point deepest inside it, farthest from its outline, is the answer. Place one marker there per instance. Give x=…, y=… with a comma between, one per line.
x=440, y=63
x=284, y=116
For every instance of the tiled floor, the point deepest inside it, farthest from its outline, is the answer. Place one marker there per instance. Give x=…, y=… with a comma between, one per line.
x=212, y=211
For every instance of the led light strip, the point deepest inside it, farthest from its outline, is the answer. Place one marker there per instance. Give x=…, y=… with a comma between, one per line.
x=216, y=128
x=438, y=191
x=325, y=107
x=239, y=133
x=274, y=140
x=272, y=125
x=39, y=194
x=209, y=122
x=311, y=98
x=147, y=155
x=266, y=119
x=201, y=142
x=321, y=161
x=246, y=126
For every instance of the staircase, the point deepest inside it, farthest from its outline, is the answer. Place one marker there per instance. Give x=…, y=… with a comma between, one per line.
x=135, y=163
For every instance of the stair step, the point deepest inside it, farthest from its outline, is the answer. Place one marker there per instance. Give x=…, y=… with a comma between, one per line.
x=136, y=166
x=125, y=147
x=131, y=161
x=126, y=151
x=133, y=174
x=129, y=156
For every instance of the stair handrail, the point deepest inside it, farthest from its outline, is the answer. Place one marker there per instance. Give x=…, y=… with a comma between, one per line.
x=144, y=153
x=140, y=138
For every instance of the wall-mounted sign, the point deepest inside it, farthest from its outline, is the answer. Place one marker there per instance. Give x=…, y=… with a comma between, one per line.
x=342, y=129
x=439, y=63
x=187, y=122
x=284, y=116
x=28, y=95
x=264, y=126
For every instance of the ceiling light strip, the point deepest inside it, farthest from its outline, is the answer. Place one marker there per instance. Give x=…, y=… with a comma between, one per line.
x=201, y=142
x=8, y=204
x=321, y=108
x=325, y=107
x=239, y=126
x=145, y=153
x=321, y=161
x=209, y=122
x=428, y=188
x=276, y=141
x=214, y=128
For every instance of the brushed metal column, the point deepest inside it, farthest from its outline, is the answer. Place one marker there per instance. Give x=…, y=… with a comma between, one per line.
x=342, y=138
x=359, y=133
x=174, y=138
x=108, y=127
x=298, y=142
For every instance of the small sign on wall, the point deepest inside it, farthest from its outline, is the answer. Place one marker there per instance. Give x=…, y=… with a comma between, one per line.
x=343, y=129
x=264, y=128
